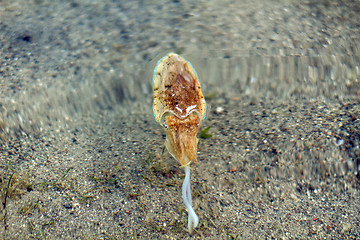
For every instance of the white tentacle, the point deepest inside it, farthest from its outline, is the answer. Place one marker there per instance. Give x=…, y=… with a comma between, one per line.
x=193, y=219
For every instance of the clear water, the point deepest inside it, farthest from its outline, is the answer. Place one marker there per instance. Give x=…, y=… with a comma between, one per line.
x=103, y=59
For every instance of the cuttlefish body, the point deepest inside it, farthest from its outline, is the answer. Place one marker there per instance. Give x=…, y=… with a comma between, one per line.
x=179, y=106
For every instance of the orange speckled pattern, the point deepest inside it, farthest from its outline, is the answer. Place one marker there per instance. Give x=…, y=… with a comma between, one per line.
x=179, y=105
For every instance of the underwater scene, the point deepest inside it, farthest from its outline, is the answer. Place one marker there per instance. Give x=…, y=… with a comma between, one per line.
x=179, y=119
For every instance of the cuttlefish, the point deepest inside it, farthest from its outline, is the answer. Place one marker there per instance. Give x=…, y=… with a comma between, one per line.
x=179, y=107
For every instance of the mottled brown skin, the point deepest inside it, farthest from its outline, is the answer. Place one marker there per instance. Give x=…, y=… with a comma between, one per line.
x=181, y=138
x=181, y=93
x=179, y=106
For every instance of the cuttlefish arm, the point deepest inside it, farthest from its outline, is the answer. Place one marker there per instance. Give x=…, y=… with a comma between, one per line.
x=179, y=106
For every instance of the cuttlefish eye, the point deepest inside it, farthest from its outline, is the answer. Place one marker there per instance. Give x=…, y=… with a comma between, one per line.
x=196, y=113
x=163, y=119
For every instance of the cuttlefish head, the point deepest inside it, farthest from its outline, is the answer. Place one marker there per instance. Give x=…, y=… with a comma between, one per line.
x=181, y=140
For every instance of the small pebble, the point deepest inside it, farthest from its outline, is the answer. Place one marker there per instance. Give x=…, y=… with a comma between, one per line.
x=219, y=109
x=233, y=169
x=346, y=227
